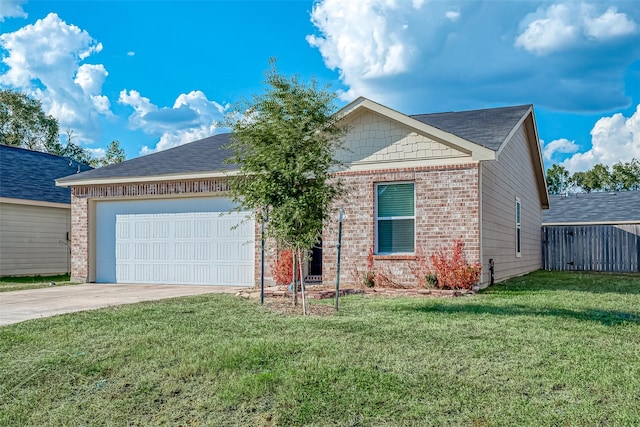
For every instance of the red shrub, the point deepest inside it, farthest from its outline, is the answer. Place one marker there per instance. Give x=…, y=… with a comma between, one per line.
x=282, y=268
x=421, y=269
x=379, y=276
x=452, y=269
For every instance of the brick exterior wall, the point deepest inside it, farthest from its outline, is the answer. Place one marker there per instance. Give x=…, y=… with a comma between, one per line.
x=79, y=237
x=446, y=209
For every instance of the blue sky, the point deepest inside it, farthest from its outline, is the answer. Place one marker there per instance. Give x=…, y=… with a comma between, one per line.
x=155, y=74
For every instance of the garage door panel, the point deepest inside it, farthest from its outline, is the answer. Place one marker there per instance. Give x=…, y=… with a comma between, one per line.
x=232, y=228
x=245, y=275
x=234, y=251
x=182, y=248
x=183, y=229
x=123, y=230
x=201, y=251
x=183, y=251
x=201, y=273
x=202, y=228
x=122, y=274
x=226, y=273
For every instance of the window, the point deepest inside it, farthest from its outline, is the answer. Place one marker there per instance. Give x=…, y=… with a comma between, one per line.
x=395, y=218
x=518, y=229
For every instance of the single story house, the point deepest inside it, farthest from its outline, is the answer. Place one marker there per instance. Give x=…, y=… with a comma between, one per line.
x=416, y=184
x=35, y=214
x=592, y=232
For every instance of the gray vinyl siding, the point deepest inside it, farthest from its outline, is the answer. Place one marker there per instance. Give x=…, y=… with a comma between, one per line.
x=511, y=176
x=33, y=240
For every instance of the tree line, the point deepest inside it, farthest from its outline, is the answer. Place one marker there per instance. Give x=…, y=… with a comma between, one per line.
x=24, y=124
x=620, y=177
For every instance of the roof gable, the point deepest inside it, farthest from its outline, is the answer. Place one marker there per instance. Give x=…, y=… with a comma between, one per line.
x=374, y=138
x=31, y=175
x=456, y=142
x=481, y=133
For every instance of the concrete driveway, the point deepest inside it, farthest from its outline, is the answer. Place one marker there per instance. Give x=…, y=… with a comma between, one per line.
x=18, y=306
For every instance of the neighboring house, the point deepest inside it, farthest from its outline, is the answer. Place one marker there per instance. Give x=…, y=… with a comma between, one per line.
x=35, y=214
x=416, y=184
x=592, y=232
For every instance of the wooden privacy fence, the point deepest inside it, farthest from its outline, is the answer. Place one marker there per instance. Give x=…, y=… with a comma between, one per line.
x=611, y=248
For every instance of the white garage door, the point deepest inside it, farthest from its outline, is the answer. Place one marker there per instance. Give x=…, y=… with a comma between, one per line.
x=151, y=245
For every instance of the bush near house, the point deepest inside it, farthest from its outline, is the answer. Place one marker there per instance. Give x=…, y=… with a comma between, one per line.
x=282, y=268
x=446, y=269
x=452, y=270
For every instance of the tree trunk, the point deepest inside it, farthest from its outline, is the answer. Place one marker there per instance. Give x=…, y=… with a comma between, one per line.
x=295, y=279
x=304, y=300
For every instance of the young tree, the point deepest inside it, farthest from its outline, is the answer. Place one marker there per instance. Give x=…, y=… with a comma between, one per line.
x=24, y=124
x=626, y=176
x=558, y=179
x=114, y=154
x=284, y=143
x=71, y=150
x=597, y=178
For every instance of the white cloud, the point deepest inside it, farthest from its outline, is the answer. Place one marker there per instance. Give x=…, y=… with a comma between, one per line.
x=610, y=24
x=44, y=60
x=561, y=145
x=567, y=24
x=140, y=104
x=552, y=32
x=102, y=104
x=613, y=139
x=131, y=53
x=452, y=14
x=97, y=152
x=191, y=117
x=90, y=78
x=367, y=38
x=11, y=9
x=173, y=139
x=413, y=59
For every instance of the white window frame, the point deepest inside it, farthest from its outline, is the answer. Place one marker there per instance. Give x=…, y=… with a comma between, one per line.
x=518, y=229
x=376, y=218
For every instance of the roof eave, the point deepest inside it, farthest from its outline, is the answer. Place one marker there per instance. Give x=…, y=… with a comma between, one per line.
x=514, y=129
x=34, y=202
x=531, y=131
x=578, y=223
x=151, y=178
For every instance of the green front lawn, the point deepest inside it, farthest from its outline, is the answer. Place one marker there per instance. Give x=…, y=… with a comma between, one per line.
x=546, y=349
x=8, y=284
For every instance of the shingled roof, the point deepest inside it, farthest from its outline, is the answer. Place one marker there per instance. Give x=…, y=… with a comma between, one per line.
x=31, y=175
x=205, y=155
x=489, y=127
x=585, y=208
